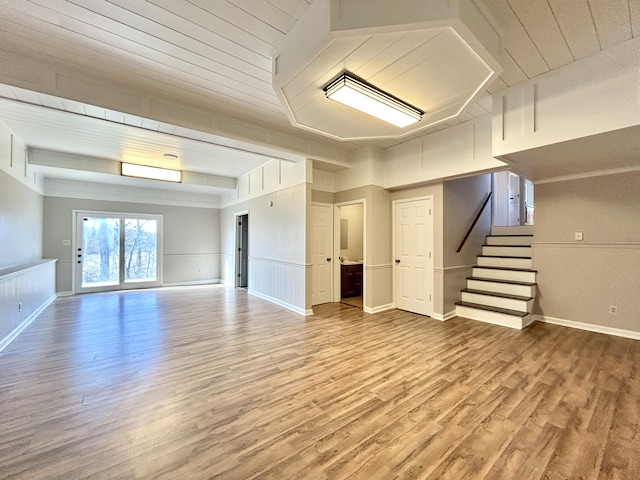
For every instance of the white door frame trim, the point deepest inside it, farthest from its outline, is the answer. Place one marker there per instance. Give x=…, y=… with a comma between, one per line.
x=74, y=239
x=236, y=257
x=336, y=248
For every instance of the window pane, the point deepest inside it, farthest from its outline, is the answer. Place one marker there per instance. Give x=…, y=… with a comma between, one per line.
x=100, y=251
x=140, y=247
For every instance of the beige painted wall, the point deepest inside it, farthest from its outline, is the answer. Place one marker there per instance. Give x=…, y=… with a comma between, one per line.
x=20, y=222
x=321, y=197
x=191, y=246
x=578, y=281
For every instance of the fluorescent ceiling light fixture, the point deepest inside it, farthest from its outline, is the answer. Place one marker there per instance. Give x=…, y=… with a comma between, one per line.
x=361, y=96
x=153, y=173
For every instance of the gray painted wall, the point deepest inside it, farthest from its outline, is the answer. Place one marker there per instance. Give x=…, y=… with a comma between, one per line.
x=191, y=250
x=21, y=211
x=579, y=280
x=462, y=200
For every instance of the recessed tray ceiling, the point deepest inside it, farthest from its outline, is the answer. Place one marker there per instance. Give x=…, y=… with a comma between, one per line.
x=437, y=65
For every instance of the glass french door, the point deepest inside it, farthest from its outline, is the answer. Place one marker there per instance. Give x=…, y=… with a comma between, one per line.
x=116, y=251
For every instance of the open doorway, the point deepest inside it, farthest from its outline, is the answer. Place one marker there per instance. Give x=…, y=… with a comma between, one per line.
x=242, y=250
x=350, y=243
x=513, y=200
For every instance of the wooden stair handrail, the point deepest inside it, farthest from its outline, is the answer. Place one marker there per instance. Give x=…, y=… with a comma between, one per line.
x=475, y=220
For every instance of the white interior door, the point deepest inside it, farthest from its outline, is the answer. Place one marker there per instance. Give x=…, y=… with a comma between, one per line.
x=413, y=245
x=321, y=248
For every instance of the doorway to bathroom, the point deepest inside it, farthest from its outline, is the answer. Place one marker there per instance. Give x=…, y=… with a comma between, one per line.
x=349, y=244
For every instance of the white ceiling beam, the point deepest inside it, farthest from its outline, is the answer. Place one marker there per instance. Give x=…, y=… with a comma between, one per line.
x=28, y=70
x=48, y=158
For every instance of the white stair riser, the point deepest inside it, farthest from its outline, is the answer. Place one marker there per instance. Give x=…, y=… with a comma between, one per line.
x=508, y=288
x=520, y=240
x=506, y=251
x=505, y=262
x=510, y=303
x=494, y=317
x=519, y=230
x=515, y=276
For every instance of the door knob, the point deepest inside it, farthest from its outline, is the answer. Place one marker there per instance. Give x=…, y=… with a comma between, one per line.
x=397, y=260
x=329, y=259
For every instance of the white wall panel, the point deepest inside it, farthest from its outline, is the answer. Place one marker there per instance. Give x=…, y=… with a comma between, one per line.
x=591, y=96
x=24, y=293
x=280, y=282
x=13, y=160
x=271, y=177
x=323, y=181
x=462, y=150
x=403, y=164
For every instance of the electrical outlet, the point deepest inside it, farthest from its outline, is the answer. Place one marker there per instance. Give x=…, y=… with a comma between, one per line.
x=19, y=306
x=66, y=242
x=578, y=236
x=613, y=309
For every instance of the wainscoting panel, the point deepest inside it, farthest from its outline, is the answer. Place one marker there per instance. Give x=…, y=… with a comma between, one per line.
x=280, y=282
x=24, y=292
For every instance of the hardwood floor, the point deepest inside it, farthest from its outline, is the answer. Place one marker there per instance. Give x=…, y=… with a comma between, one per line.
x=209, y=382
x=353, y=301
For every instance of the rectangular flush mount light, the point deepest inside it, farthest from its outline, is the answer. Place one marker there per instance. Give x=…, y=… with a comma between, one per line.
x=153, y=173
x=361, y=96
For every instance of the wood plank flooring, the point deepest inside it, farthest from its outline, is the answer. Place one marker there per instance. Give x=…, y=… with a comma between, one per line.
x=212, y=383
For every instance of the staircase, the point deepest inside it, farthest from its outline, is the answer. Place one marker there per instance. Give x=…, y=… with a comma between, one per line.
x=502, y=286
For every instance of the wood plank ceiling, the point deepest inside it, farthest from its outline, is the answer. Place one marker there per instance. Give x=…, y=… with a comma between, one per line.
x=219, y=51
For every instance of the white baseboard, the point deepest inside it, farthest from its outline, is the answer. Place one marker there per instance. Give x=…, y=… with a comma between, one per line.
x=286, y=305
x=618, y=332
x=379, y=308
x=20, y=328
x=196, y=282
x=64, y=294
x=445, y=317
